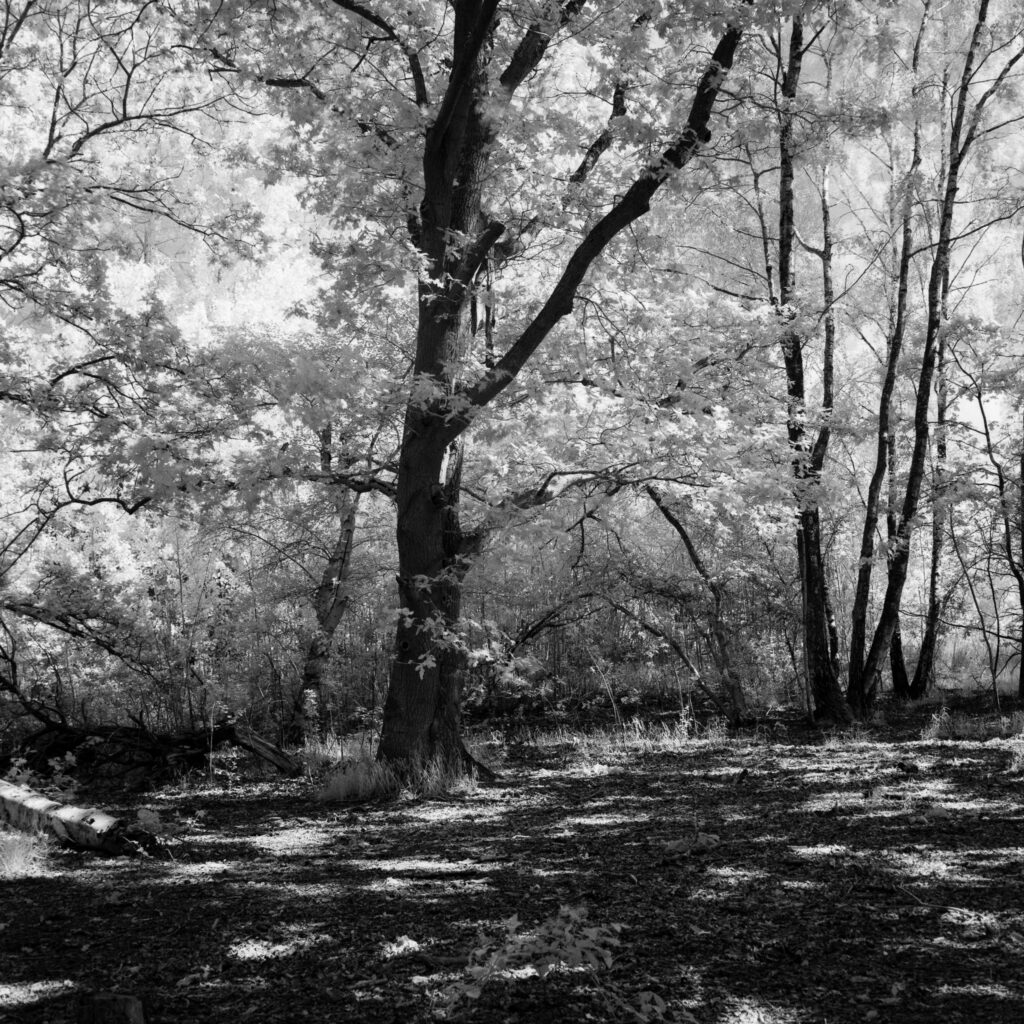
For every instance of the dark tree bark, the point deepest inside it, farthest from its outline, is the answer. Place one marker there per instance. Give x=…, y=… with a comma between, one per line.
x=897, y=661
x=1010, y=516
x=421, y=714
x=858, y=687
x=808, y=457
x=924, y=672
x=330, y=602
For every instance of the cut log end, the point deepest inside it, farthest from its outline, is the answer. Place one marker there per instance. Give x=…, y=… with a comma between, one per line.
x=83, y=827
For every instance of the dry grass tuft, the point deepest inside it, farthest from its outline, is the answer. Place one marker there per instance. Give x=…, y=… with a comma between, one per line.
x=637, y=736
x=365, y=778
x=21, y=855
x=324, y=755
x=958, y=726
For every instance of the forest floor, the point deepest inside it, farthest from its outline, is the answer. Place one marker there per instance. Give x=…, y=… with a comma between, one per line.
x=746, y=881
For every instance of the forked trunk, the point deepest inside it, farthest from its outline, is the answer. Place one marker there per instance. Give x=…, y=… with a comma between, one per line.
x=819, y=647
x=421, y=714
x=807, y=458
x=901, y=688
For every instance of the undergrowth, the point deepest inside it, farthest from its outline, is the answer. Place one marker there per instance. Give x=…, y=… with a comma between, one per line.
x=21, y=854
x=956, y=725
x=563, y=943
x=365, y=778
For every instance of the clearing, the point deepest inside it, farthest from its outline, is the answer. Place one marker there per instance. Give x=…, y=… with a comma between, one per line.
x=833, y=880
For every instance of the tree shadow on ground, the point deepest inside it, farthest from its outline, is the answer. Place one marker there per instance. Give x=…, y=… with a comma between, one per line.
x=858, y=882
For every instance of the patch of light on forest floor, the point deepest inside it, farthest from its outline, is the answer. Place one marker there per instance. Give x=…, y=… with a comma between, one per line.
x=824, y=850
x=926, y=864
x=199, y=870
x=595, y=819
x=261, y=949
x=824, y=803
x=434, y=812
x=737, y=876
x=292, y=840
x=32, y=992
x=465, y=875
x=423, y=865
x=747, y=1011
x=800, y=884
x=992, y=990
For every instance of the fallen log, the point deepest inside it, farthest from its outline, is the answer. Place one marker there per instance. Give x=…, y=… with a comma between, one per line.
x=266, y=750
x=140, y=756
x=83, y=827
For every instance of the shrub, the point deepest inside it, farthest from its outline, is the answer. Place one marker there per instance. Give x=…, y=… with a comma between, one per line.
x=562, y=942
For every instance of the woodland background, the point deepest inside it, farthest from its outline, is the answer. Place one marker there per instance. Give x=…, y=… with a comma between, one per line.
x=767, y=449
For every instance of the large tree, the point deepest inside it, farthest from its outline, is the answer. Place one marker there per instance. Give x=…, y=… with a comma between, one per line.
x=421, y=717
x=458, y=112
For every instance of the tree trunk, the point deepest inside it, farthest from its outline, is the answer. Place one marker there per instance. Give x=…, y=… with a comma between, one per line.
x=858, y=686
x=963, y=132
x=808, y=460
x=819, y=650
x=897, y=661
x=421, y=713
x=330, y=602
x=901, y=688
x=924, y=672
x=1019, y=574
x=422, y=710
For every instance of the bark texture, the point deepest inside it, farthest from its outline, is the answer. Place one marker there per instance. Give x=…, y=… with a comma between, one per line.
x=808, y=458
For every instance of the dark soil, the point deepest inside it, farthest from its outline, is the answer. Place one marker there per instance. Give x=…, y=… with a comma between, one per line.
x=842, y=880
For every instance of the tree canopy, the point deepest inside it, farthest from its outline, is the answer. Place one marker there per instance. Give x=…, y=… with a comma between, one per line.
x=649, y=347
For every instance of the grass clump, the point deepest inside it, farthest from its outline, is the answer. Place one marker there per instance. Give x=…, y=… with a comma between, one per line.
x=21, y=855
x=323, y=754
x=946, y=725
x=365, y=778
x=637, y=736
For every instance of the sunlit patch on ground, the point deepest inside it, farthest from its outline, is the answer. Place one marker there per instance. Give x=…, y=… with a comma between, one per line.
x=990, y=990
x=28, y=993
x=262, y=949
x=737, y=876
x=471, y=811
x=823, y=852
x=372, y=914
x=303, y=840
x=748, y=1011
x=597, y=819
x=185, y=871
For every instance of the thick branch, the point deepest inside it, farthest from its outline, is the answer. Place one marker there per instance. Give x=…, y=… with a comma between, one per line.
x=532, y=47
x=631, y=207
x=416, y=69
x=604, y=140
